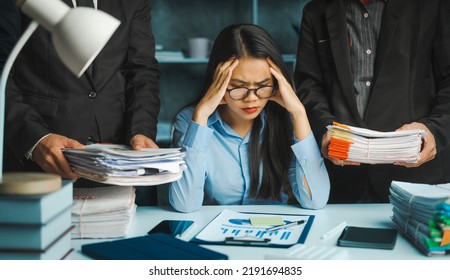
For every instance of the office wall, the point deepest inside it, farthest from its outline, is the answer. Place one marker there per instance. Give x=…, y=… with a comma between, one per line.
x=175, y=21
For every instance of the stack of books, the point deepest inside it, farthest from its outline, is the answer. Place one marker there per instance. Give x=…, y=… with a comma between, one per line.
x=122, y=166
x=421, y=212
x=103, y=212
x=374, y=147
x=36, y=227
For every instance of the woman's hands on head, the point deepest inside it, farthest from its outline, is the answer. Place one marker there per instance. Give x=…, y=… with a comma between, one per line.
x=215, y=94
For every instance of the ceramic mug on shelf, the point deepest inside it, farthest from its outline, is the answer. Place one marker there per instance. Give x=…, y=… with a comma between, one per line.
x=199, y=47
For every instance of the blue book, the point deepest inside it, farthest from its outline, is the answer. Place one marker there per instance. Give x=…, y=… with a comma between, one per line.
x=58, y=250
x=34, y=237
x=35, y=209
x=158, y=246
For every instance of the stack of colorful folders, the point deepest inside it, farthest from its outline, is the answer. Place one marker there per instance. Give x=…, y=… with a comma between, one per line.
x=421, y=212
x=374, y=147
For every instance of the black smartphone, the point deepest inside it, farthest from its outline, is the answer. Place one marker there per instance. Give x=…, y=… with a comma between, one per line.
x=172, y=227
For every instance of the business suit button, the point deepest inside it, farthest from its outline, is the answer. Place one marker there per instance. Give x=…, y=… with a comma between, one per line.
x=368, y=84
x=92, y=94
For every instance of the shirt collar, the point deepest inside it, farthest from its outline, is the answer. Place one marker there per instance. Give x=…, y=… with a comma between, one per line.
x=215, y=119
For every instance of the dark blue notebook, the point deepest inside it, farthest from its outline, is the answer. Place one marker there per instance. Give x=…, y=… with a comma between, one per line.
x=156, y=246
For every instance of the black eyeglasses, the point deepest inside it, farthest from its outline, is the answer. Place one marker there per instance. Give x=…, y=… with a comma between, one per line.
x=263, y=92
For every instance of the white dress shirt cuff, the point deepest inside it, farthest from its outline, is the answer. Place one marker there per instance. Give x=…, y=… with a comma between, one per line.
x=29, y=155
x=306, y=149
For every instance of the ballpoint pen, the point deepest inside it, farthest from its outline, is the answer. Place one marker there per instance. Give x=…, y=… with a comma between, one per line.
x=296, y=223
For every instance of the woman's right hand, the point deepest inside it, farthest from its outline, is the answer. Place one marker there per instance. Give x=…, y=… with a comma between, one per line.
x=216, y=92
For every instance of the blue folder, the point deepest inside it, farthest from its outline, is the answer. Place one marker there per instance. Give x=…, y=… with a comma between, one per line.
x=158, y=246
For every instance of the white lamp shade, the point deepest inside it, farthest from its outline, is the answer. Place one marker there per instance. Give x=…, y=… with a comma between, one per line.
x=77, y=42
x=78, y=36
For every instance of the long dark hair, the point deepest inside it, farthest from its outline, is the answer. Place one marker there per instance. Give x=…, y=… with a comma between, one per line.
x=273, y=153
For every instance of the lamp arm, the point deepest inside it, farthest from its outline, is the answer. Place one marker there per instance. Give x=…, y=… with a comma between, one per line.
x=6, y=70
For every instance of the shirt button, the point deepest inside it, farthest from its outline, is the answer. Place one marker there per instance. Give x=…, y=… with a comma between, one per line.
x=368, y=84
x=92, y=94
x=368, y=51
x=303, y=162
x=366, y=15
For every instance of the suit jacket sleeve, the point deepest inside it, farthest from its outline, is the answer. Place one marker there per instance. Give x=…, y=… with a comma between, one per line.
x=438, y=121
x=309, y=80
x=142, y=73
x=9, y=29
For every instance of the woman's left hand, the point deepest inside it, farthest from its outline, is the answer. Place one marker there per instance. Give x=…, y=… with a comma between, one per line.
x=286, y=96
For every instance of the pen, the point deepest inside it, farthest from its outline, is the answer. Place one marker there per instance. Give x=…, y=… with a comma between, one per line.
x=334, y=230
x=286, y=225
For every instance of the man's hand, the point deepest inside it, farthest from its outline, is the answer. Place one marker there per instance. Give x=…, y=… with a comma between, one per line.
x=140, y=141
x=429, y=145
x=324, y=150
x=49, y=157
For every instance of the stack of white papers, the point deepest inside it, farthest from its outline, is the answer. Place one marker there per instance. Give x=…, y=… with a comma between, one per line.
x=421, y=212
x=120, y=165
x=103, y=212
x=374, y=147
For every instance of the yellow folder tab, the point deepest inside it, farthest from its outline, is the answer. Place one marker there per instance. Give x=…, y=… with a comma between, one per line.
x=445, y=238
x=267, y=221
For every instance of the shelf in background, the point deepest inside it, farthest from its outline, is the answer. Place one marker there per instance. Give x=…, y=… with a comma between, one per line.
x=289, y=58
x=182, y=60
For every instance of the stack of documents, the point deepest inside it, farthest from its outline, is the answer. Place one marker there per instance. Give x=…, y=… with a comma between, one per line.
x=103, y=212
x=374, y=147
x=421, y=212
x=120, y=165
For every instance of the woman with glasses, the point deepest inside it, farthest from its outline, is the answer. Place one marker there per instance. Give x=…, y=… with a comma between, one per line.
x=248, y=139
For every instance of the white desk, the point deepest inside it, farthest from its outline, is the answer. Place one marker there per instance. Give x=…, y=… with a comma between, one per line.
x=365, y=215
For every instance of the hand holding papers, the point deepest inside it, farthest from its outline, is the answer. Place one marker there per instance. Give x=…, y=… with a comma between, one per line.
x=374, y=147
x=235, y=228
x=120, y=165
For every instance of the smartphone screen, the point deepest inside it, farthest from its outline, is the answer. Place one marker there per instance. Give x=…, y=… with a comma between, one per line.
x=172, y=227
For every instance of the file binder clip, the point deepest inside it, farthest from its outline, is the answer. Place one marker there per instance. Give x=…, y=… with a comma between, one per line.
x=246, y=240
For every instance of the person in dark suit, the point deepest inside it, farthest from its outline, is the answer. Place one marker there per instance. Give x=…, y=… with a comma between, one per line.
x=115, y=101
x=9, y=29
x=382, y=65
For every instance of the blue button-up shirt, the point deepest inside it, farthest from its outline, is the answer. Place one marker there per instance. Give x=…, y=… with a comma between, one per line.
x=218, y=171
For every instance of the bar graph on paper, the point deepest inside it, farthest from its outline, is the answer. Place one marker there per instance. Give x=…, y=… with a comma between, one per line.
x=237, y=225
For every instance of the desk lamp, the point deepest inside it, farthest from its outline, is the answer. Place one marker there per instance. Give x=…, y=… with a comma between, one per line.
x=78, y=35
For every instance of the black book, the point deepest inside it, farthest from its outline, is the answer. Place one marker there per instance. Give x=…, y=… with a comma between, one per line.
x=362, y=237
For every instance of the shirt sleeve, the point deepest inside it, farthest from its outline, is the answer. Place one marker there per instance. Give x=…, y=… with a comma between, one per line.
x=309, y=163
x=186, y=194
